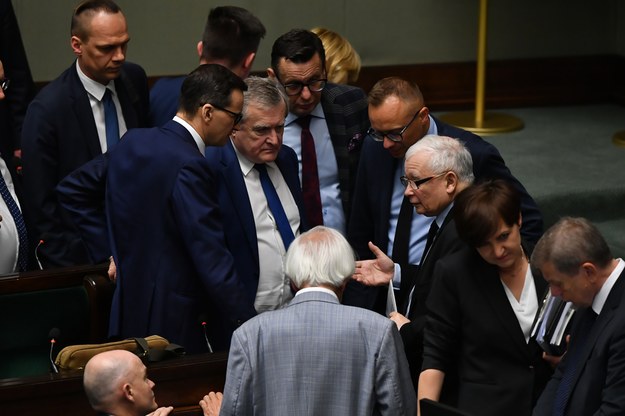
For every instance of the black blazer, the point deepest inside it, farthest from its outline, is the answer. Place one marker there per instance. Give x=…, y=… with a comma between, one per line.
x=59, y=135
x=472, y=333
x=446, y=243
x=599, y=388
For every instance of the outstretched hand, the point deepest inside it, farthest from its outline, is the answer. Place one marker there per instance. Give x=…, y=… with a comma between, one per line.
x=376, y=272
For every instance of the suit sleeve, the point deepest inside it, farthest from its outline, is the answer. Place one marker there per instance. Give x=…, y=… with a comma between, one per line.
x=41, y=157
x=196, y=210
x=238, y=399
x=395, y=393
x=442, y=333
x=82, y=194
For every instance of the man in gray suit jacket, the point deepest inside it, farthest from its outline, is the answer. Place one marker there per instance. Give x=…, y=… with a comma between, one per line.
x=316, y=356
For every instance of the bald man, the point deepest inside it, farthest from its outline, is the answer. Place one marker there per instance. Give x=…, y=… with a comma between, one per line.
x=116, y=384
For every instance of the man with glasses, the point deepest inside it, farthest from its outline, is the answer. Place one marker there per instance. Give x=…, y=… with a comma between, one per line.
x=175, y=276
x=259, y=194
x=381, y=214
x=325, y=126
x=437, y=169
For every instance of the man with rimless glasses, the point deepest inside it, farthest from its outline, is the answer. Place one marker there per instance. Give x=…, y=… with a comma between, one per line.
x=325, y=127
x=381, y=214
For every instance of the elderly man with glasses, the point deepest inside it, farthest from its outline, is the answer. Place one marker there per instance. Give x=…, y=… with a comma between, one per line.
x=382, y=214
x=325, y=126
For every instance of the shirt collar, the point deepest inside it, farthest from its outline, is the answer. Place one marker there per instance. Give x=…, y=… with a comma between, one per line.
x=247, y=165
x=440, y=218
x=599, y=300
x=94, y=88
x=316, y=289
x=196, y=136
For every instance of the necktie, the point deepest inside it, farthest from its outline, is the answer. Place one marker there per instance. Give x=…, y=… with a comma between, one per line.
x=22, y=258
x=428, y=244
x=273, y=201
x=573, y=363
x=401, y=242
x=110, y=120
x=310, y=175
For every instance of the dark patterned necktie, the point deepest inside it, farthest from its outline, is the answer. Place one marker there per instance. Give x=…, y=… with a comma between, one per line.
x=401, y=242
x=22, y=258
x=310, y=175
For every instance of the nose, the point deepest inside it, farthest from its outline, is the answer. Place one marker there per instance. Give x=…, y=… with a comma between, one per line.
x=120, y=53
x=408, y=192
x=151, y=383
x=305, y=93
x=387, y=143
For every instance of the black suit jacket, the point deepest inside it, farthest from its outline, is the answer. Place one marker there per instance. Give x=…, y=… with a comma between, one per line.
x=374, y=189
x=472, y=332
x=60, y=135
x=446, y=243
x=347, y=117
x=236, y=211
x=599, y=388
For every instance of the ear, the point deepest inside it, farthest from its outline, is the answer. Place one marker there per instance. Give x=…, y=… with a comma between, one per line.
x=248, y=62
x=520, y=219
x=200, y=46
x=271, y=74
x=76, y=44
x=127, y=391
x=207, y=112
x=451, y=181
x=590, y=271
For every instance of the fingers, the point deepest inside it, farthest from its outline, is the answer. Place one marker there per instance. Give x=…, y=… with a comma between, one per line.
x=162, y=411
x=375, y=249
x=211, y=403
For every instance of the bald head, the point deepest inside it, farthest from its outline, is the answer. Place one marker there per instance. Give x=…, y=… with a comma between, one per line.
x=116, y=382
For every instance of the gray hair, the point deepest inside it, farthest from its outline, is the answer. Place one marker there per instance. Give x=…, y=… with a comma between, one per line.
x=447, y=154
x=265, y=93
x=568, y=244
x=321, y=256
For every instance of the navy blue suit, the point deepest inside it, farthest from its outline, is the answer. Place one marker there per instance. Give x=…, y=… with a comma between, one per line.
x=164, y=96
x=166, y=236
x=236, y=211
x=58, y=136
x=374, y=188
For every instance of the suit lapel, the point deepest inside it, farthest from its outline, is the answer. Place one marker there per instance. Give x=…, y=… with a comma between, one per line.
x=292, y=180
x=495, y=295
x=387, y=166
x=84, y=115
x=235, y=185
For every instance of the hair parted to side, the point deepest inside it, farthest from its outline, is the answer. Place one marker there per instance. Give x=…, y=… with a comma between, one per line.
x=265, y=93
x=568, y=244
x=394, y=86
x=299, y=46
x=321, y=256
x=479, y=209
x=446, y=154
x=86, y=10
x=231, y=33
x=208, y=83
x=342, y=60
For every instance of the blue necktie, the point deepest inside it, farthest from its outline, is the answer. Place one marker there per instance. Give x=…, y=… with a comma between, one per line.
x=284, y=227
x=573, y=362
x=110, y=120
x=22, y=258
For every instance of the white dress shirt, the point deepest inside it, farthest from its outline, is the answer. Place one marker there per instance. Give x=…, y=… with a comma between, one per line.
x=9, y=240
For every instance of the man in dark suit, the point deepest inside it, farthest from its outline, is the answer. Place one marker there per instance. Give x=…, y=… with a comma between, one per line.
x=252, y=223
x=577, y=263
x=161, y=216
x=399, y=119
x=325, y=126
x=437, y=169
x=231, y=38
x=65, y=126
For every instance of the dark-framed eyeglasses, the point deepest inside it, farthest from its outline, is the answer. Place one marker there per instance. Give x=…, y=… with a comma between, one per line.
x=415, y=184
x=378, y=136
x=5, y=84
x=236, y=116
x=314, y=85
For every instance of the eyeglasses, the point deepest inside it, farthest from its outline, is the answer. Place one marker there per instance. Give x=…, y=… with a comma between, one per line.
x=378, y=136
x=5, y=84
x=415, y=184
x=314, y=85
x=236, y=116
